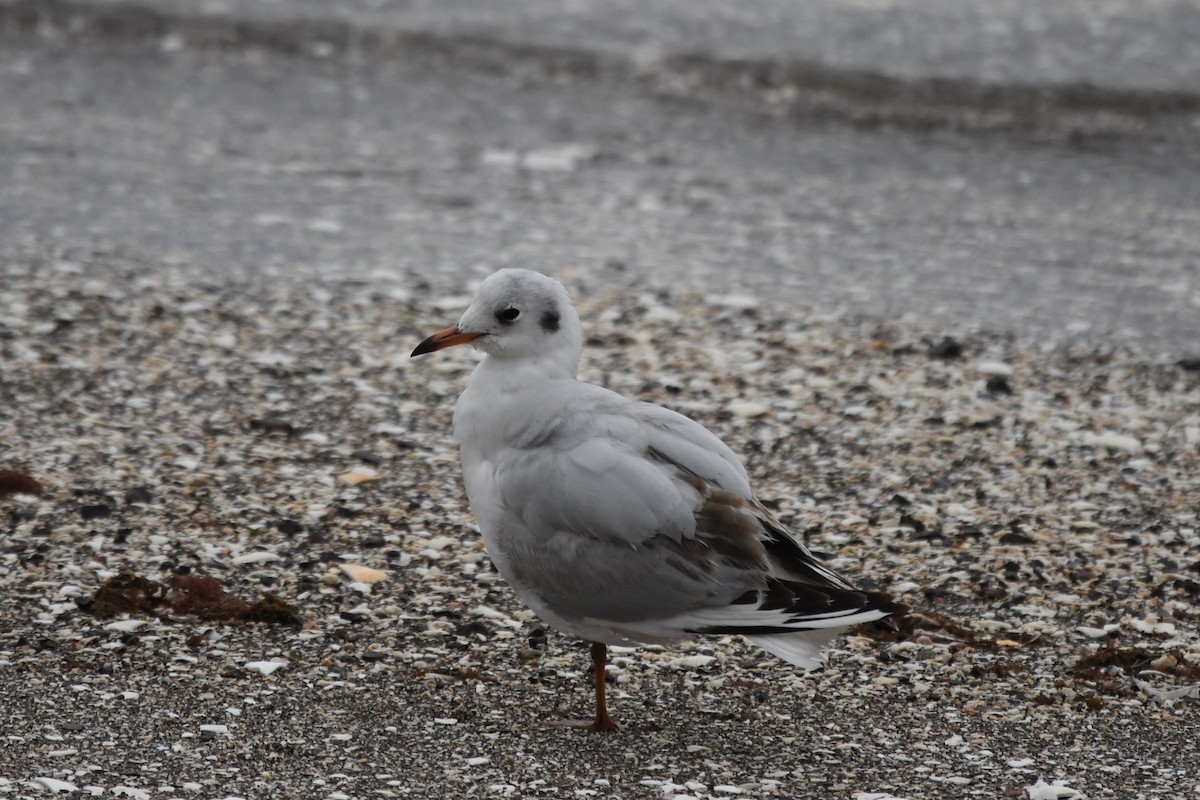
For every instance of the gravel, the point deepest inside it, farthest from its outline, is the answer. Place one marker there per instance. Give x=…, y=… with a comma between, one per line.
x=1036, y=505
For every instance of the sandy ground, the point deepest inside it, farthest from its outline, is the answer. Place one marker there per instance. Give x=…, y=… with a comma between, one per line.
x=1038, y=509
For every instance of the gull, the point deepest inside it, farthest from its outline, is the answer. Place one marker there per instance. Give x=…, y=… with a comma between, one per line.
x=617, y=521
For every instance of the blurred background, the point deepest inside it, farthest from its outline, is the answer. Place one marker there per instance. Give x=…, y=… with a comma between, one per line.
x=1018, y=165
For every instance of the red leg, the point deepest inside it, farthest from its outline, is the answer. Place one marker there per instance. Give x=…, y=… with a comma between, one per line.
x=602, y=722
x=599, y=659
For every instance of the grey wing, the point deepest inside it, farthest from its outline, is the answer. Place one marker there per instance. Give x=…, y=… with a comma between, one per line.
x=601, y=517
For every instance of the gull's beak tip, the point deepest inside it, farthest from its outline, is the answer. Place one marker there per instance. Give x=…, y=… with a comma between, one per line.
x=448, y=337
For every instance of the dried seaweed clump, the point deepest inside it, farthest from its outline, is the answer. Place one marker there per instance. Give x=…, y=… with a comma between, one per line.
x=14, y=482
x=185, y=595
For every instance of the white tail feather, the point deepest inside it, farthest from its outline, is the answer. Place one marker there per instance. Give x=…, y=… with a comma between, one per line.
x=804, y=649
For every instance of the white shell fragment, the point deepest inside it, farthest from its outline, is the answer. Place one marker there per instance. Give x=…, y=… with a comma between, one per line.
x=1097, y=633
x=265, y=667
x=363, y=574
x=257, y=557
x=125, y=625
x=748, y=409
x=1112, y=441
x=359, y=475
x=1150, y=624
x=1055, y=791
x=691, y=662
x=55, y=785
x=995, y=369
x=739, y=302
x=1145, y=681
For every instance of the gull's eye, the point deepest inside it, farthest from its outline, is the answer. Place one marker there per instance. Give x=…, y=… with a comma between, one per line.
x=508, y=315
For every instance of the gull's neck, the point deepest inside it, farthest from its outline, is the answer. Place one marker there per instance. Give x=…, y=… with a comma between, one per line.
x=505, y=402
x=509, y=373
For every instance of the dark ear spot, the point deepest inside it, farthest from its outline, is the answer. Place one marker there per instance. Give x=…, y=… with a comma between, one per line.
x=549, y=321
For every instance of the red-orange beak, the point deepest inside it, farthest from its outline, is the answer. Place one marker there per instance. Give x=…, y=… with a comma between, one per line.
x=449, y=337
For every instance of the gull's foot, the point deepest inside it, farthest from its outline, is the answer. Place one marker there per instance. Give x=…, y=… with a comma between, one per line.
x=600, y=724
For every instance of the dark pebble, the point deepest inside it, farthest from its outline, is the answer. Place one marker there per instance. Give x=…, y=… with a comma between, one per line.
x=367, y=457
x=289, y=527
x=374, y=540
x=946, y=349
x=472, y=629
x=1189, y=586
x=998, y=384
x=273, y=425
x=94, y=511
x=1191, y=363
x=139, y=495
x=375, y=655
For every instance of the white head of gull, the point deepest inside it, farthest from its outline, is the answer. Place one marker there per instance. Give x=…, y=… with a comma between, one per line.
x=618, y=521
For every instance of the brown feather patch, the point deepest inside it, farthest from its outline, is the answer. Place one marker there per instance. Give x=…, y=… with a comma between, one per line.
x=726, y=522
